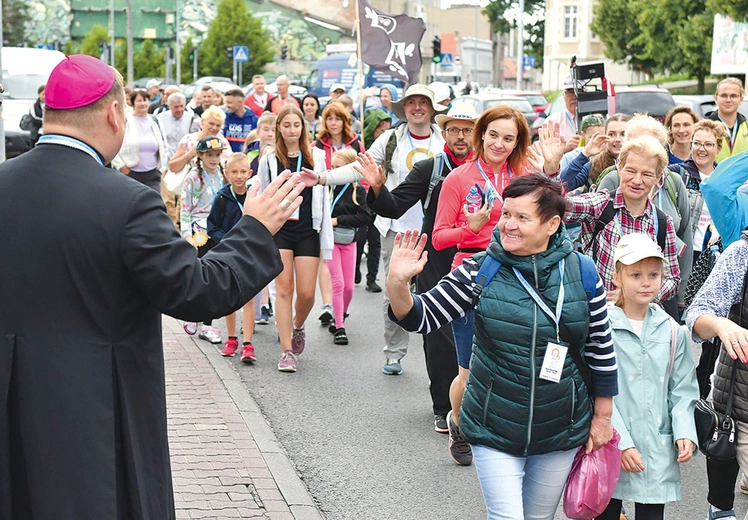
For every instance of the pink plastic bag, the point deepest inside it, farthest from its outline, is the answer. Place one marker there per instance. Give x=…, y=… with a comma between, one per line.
x=592, y=480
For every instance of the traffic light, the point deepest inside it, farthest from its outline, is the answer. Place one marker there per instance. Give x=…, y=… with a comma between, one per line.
x=436, y=45
x=170, y=53
x=230, y=53
x=191, y=55
x=102, y=46
x=103, y=51
x=284, y=52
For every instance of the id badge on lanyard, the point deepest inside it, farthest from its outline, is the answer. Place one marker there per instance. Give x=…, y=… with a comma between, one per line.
x=555, y=352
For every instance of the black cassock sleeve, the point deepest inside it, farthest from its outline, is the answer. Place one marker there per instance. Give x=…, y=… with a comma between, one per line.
x=168, y=271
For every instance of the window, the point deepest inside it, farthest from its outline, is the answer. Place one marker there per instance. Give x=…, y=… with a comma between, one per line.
x=570, y=21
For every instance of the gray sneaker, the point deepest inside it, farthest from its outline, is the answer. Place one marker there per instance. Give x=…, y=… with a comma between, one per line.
x=392, y=367
x=287, y=362
x=459, y=449
x=298, y=340
x=440, y=423
x=326, y=315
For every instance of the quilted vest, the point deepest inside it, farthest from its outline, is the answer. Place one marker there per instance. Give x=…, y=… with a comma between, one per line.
x=506, y=406
x=739, y=315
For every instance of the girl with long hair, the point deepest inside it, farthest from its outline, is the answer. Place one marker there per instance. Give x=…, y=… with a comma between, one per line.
x=349, y=211
x=200, y=187
x=305, y=236
x=310, y=107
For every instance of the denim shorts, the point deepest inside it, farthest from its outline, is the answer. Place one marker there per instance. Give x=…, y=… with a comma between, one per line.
x=462, y=328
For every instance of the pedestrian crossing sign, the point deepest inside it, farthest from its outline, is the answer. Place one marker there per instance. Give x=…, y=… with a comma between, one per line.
x=241, y=53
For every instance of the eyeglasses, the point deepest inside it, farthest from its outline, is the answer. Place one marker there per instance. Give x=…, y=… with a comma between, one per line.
x=708, y=146
x=731, y=97
x=454, y=131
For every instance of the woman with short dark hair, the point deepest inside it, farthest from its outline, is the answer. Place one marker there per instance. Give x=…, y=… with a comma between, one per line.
x=526, y=407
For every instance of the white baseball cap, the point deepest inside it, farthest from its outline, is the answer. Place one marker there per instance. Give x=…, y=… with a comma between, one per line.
x=337, y=86
x=635, y=247
x=152, y=83
x=440, y=90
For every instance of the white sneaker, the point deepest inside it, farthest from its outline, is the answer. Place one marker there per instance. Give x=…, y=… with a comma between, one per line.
x=210, y=334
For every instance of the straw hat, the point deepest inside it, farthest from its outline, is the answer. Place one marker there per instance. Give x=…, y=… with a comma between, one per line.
x=460, y=111
x=419, y=89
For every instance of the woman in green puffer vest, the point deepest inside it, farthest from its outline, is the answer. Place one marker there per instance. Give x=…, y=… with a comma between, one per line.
x=527, y=405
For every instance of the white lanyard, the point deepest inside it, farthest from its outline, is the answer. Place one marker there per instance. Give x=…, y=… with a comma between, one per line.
x=236, y=199
x=210, y=182
x=543, y=306
x=71, y=142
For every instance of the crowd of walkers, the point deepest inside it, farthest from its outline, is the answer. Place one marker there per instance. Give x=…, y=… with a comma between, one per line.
x=574, y=252
x=551, y=278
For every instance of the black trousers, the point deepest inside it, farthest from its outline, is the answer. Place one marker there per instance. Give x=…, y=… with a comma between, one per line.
x=721, y=475
x=641, y=511
x=371, y=233
x=438, y=346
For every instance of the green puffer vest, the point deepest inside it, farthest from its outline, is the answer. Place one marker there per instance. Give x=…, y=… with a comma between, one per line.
x=506, y=406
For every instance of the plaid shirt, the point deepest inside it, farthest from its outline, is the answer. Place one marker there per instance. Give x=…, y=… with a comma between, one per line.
x=587, y=208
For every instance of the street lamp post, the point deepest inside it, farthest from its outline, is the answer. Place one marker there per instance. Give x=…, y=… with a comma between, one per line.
x=520, y=42
x=179, y=45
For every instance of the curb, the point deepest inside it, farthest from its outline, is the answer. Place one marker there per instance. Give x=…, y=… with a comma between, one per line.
x=294, y=492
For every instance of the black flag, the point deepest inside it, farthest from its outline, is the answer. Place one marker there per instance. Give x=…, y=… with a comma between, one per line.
x=391, y=44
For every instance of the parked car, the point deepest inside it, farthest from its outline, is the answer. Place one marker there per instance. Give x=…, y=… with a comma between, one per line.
x=535, y=97
x=484, y=101
x=644, y=100
x=702, y=105
x=140, y=83
x=24, y=71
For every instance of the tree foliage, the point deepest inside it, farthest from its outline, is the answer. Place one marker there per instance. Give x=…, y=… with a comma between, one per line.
x=657, y=36
x=148, y=61
x=15, y=16
x=496, y=11
x=735, y=9
x=186, y=64
x=90, y=43
x=234, y=25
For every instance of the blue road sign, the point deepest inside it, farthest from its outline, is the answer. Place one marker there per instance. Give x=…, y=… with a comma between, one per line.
x=529, y=61
x=447, y=60
x=241, y=53
x=47, y=46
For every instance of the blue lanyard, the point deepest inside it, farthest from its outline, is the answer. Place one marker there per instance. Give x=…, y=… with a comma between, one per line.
x=336, y=148
x=236, y=199
x=428, y=146
x=298, y=162
x=559, y=301
x=483, y=173
x=572, y=121
x=210, y=182
x=734, y=133
x=71, y=142
x=337, y=198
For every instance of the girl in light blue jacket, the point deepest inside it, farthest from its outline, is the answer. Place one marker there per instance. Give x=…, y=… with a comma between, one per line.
x=653, y=411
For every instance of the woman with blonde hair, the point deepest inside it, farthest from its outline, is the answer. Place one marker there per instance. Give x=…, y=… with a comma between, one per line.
x=304, y=237
x=211, y=123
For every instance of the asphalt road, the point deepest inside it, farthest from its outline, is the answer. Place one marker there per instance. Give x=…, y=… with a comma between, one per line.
x=364, y=442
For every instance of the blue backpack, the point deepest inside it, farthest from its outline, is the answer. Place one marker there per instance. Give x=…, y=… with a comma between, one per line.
x=491, y=266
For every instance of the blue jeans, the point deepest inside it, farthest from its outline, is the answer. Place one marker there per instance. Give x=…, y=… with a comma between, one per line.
x=462, y=328
x=521, y=488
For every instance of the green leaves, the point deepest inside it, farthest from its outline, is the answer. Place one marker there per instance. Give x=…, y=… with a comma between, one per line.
x=234, y=25
x=657, y=36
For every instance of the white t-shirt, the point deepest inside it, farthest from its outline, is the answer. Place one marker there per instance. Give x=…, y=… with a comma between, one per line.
x=409, y=151
x=637, y=325
x=704, y=220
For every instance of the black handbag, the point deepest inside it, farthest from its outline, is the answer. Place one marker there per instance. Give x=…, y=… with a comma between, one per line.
x=717, y=432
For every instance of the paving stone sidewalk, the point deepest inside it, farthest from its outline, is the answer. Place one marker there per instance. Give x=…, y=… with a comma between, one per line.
x=226, y=462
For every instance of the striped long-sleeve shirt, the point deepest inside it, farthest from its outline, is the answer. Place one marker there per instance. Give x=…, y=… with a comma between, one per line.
x=453, y=297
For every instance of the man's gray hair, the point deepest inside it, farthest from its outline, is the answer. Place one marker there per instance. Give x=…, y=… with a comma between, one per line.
x=176, y=96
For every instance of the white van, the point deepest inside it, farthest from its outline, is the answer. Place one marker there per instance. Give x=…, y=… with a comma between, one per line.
x=24, y=71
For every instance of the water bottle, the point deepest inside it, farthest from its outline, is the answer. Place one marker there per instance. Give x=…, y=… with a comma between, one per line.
x=473, y=200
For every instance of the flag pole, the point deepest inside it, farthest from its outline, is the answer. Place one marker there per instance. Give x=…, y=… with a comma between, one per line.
x=360, y=71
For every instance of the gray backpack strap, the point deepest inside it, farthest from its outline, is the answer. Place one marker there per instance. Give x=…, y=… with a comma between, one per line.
x=436, y=177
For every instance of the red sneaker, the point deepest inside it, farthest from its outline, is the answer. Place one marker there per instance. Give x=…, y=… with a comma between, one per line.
x=230, y=347
x=248, y=354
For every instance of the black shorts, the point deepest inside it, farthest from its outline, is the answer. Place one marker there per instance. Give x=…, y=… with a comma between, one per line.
x=308, y=246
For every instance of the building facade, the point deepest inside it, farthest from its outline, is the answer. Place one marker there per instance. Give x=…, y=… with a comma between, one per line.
x=568, y=34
